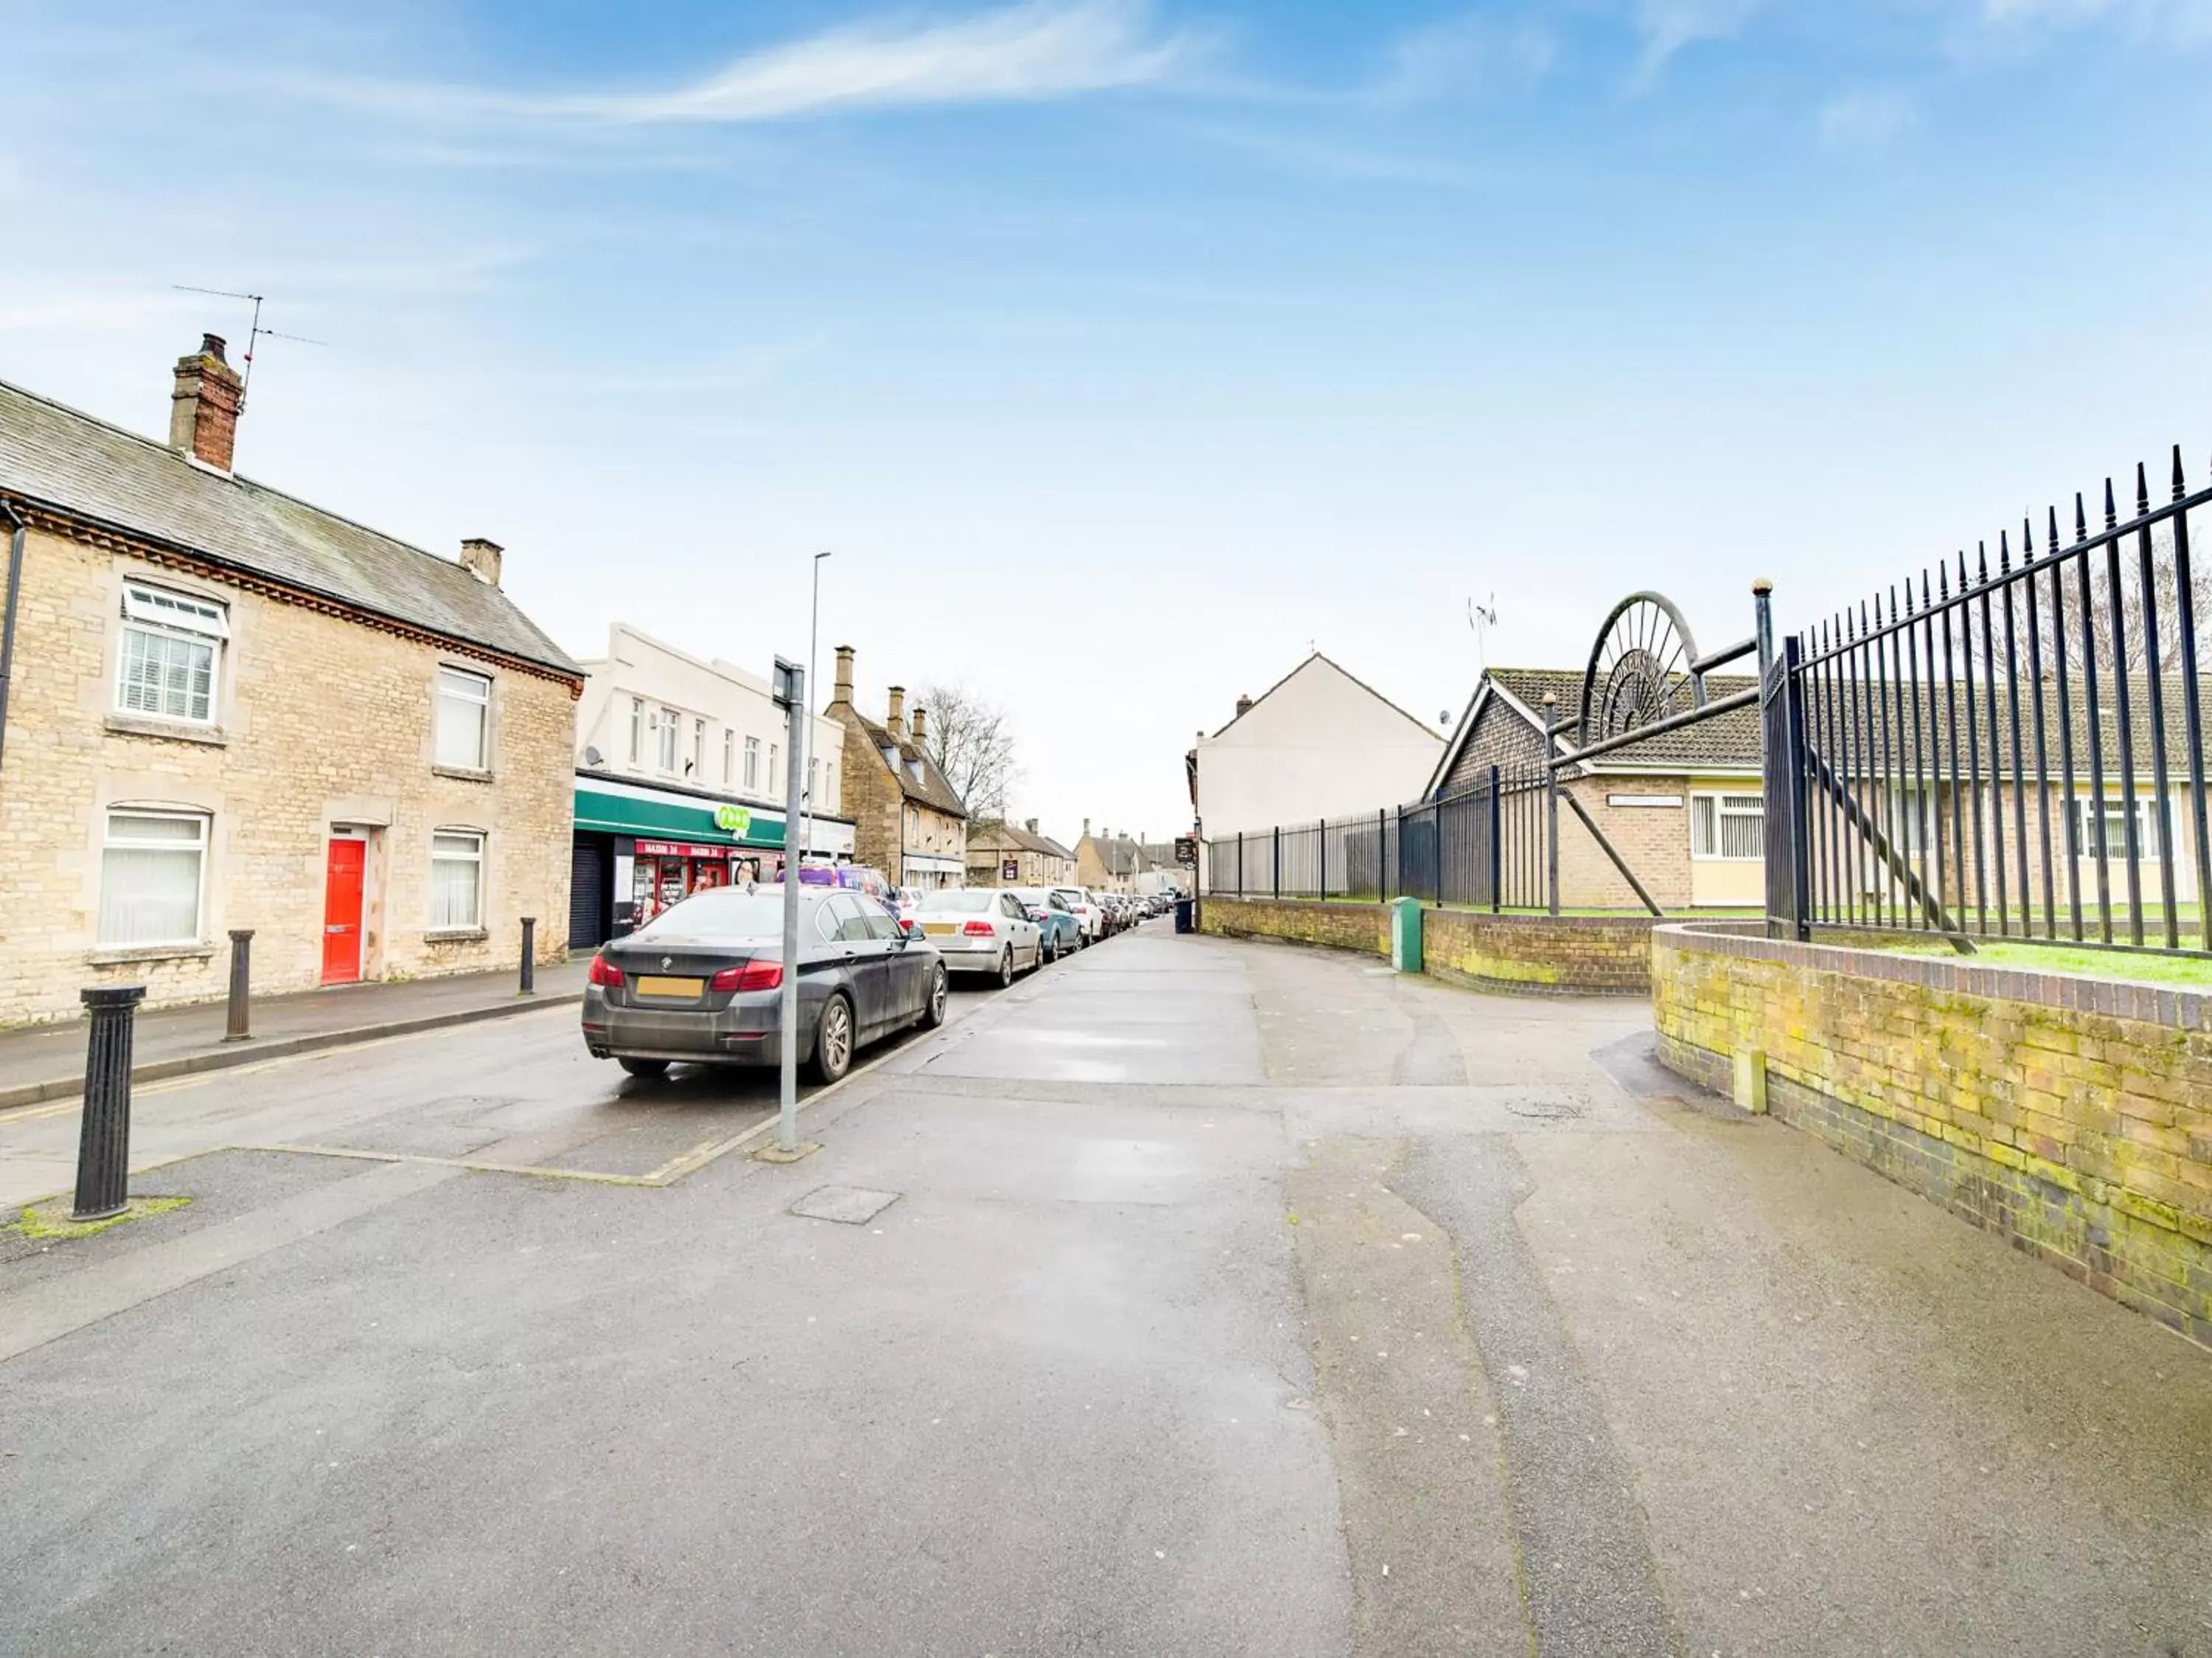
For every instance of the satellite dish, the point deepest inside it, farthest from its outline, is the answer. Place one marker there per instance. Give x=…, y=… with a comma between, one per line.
x=593, y=757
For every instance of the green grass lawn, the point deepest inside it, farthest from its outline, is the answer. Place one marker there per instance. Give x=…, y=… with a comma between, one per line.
x=2193, y=973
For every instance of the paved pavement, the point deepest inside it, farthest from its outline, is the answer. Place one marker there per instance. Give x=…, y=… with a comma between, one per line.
x=47, y=1062
x=1226, y=1299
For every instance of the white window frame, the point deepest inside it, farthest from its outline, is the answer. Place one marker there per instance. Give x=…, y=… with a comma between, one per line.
x=459, y=687
x=2086, y=826
x=1726, y=804
x=637, y=730
x=163, y=613
x=456, y=832
x=698, y=749
x=775, y=767
x=752, y=762
x=667, y=724
x=729, y=755
x=110, y=842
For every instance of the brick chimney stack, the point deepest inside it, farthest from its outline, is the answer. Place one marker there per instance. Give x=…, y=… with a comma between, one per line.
x=897, y=721
x=481, y=559
x=203, y=409
x=844, y=691
x=1032, y=826
x=1243, y=706
x=920, y=725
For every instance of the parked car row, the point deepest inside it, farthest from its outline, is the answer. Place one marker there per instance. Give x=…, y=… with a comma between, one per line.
x=701, y=982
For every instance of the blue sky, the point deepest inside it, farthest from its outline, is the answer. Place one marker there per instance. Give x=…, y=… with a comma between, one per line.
x=1308, y=321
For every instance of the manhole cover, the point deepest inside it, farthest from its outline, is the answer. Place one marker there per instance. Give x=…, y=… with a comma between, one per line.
x=1547, y=1110
x=850, y=1205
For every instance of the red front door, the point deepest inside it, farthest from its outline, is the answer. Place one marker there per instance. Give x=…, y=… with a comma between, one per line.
x=342, y=912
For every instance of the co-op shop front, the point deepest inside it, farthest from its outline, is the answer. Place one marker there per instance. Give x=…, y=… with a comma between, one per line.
x=641, y=847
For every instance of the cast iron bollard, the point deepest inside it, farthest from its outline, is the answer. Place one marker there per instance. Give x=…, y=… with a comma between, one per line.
x=103, y=1144
x=241, y=985
x=530, y=956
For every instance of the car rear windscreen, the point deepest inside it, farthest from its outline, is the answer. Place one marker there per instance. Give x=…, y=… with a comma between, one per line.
x=959, y=899
x=725, y=912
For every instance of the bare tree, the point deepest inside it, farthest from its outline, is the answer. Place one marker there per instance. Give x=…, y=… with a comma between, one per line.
x=972, y=743
x=2096, y=606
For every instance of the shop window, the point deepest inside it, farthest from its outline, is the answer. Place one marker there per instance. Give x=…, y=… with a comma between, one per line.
x=463, y=720
x=752, y=762
x=153, y=869
x=1732, y=827
x=456, y=879
x=664, y=732
x=172, y=647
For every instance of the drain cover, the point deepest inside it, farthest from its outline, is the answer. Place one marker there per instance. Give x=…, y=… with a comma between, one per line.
x=851, y=1206
x=1552, y=1109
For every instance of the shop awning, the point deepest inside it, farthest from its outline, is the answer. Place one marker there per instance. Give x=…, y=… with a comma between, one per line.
x=661, y=816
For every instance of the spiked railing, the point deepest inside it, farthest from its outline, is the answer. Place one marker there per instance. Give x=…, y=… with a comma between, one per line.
x=2019, y=752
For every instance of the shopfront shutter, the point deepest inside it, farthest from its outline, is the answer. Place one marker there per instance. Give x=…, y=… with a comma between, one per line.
x=589, y=922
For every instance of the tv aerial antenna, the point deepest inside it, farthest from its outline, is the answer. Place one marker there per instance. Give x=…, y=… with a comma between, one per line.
x=255, y=332
x=1482, y=618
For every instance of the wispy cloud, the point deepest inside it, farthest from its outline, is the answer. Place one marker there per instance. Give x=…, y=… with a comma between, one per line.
x=2183, y=22
x=1474, y=53
x=1326, y=156
x=1038, y=51
x=1866, y=118
x=1669, y=25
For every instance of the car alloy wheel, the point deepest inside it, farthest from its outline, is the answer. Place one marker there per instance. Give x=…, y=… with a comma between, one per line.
x=932, y=1011
x=1007, y=966
x=833, y=1040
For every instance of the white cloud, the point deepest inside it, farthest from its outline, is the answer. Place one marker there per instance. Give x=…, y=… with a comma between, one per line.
x=1474, y=52
x=1041, y=50
x=2181, y=22
x=1668, y=26
x=1866, y=118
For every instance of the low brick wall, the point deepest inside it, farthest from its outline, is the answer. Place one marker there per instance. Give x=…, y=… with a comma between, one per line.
x=1562, y=955
x=2072, y=1116
x=1363, y=927
x=1566, y=955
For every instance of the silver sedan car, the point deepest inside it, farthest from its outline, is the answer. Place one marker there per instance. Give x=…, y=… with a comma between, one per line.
x=702, y=983
x=982, y=929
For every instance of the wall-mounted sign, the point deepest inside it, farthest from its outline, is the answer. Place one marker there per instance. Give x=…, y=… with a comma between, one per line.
x=679, y=849
x=1186, y=849
x=733, y=821
x=1010, y=871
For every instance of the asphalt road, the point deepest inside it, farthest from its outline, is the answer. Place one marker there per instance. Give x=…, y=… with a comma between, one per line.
x=1221, y=1299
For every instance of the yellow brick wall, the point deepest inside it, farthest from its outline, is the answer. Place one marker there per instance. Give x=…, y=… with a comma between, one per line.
x=2074, y=1116
x=324, y=721
x=1567, y=955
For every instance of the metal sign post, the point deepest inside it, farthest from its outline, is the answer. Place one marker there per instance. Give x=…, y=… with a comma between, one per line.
x=790, y=684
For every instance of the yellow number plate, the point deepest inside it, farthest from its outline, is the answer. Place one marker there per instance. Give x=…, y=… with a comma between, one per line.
x=938, y=929
x=689, y=989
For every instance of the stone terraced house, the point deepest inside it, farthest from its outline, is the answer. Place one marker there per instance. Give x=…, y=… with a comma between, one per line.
x=907, y=821
x=225, y=708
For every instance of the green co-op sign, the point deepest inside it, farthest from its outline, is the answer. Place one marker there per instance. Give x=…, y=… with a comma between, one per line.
x=733, y=821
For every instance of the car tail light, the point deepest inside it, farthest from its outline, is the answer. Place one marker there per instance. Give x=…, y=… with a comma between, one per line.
x=751, y=976
x=979, y=930
x=604, y=973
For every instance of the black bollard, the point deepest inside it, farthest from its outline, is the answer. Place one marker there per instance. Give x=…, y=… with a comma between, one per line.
x=241, y=985
x=103, y=1144
x=530, y=956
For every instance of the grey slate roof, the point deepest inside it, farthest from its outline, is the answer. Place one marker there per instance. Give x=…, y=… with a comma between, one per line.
x=930, y=788
x=85, y=469
x=1019, y=838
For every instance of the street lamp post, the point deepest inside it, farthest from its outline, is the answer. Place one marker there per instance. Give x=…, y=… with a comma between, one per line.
x=813, y=639
x=790, y=687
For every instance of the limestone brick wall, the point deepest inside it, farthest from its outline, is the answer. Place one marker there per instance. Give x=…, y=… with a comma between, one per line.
x=320, y=720
x=2071, y=1116
x=1578, y=955
x=1561, y=956
x=874, y=799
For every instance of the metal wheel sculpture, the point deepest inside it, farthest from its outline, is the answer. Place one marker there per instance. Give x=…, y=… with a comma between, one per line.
x=1641, y=671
